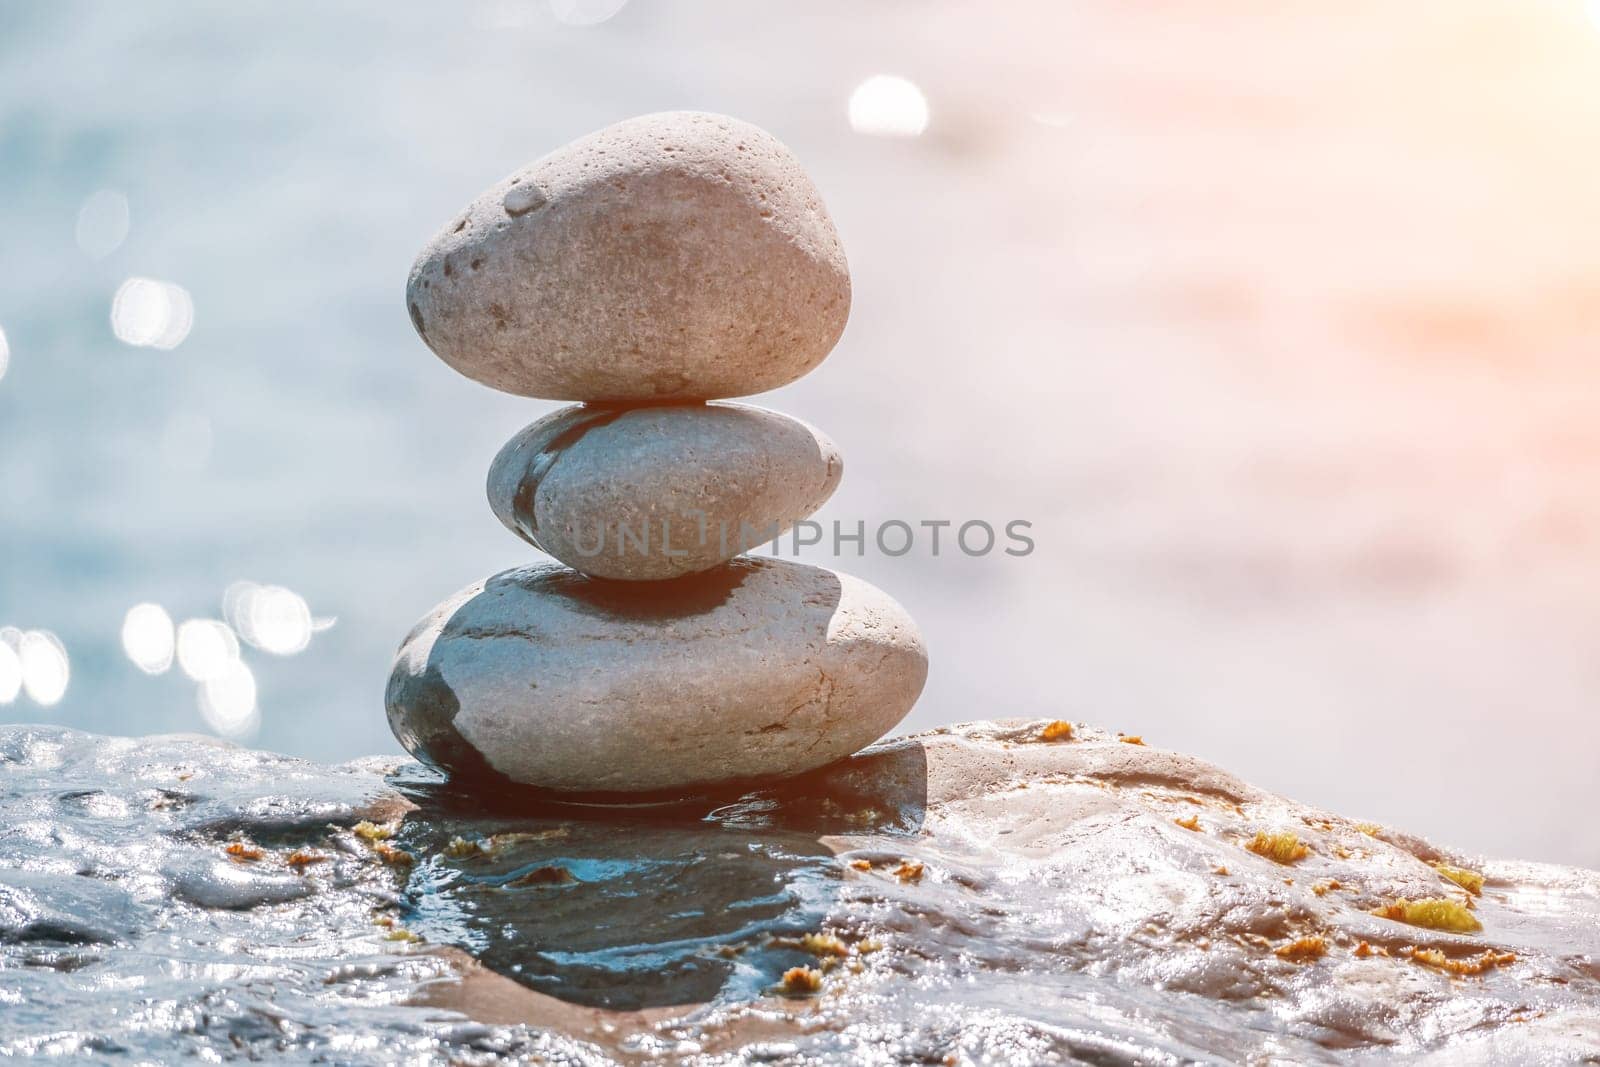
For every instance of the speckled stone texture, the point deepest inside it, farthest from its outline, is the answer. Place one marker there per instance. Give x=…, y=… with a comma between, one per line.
x=542, y=677
x=659, y=492
x=673, y=256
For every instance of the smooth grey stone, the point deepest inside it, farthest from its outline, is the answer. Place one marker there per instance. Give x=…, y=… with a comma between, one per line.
x=540, y=676
x=659, y=492
x=673, y=256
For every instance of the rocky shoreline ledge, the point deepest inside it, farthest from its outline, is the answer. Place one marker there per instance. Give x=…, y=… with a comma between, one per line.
x=1030, y=891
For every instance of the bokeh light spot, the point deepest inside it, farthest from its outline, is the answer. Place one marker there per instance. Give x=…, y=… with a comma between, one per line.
x=102, y=223
x=206, y=648
x=585, y=12
x=148, y=638
x=5, y=353
x=228, y=701
x=10, y=672
x=46, y=670
x=886, y=105
x=268, y=617
x=151, y=314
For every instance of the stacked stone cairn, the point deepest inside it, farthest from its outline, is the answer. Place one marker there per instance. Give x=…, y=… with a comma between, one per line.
x=648, y=271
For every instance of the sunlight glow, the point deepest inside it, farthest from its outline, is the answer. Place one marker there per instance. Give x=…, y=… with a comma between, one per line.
x=206, y=648
x=147, y=638
x=886, y=105
x=46, y=669
x=151, y=314
x=228, y=701
x=1593, y=7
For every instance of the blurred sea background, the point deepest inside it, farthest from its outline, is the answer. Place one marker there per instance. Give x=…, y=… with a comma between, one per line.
x=1280, y=322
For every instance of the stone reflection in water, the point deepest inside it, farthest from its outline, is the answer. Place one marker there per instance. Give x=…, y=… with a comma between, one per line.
x=148, y=638
x=673, y=905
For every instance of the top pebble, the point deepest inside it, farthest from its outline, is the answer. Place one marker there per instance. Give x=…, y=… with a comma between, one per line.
x=671, y=257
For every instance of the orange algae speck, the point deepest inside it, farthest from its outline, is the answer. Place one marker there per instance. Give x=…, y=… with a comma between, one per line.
x=1222, y=870
x=1434, y=914
x=1432, y=957
x=1058, y=730
x=1322, y=888
x=395, y=857
x=243, y=852
x=305, y=857
x=801, y=981
x=1302, y=950
x=1469, y=880
x=861, y=865
x=909, y=871
x=1132, y=739
x=1282, y=846
x=1191, y=823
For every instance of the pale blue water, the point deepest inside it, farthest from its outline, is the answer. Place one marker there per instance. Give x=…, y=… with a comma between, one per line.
x=1291, y=369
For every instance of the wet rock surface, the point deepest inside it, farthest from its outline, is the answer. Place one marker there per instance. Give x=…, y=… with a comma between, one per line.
x=978, y=893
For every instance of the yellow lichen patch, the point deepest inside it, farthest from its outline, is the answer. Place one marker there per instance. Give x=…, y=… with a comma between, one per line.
x=1191, y=823
x=1371, y=829
x=1341, y=852
x=401, y=934
x=909, y=871
x=1302, y=950
x=801, y=982
x=1471, y=881
x=371, y=831
x=1281, y=846
x=1432, y=957
x=499, y=841
x=824, y=945
x=1322, y=888
x=1435, y=913
x=1058, y=730
x=543, y=876
x=394, y=857
x=460, y=848
x=302, y=858
x=868, y=946
x=243, y=852
x=1131, y=739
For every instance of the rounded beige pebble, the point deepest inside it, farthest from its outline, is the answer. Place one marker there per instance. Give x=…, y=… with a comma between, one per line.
x=542, y=677
x=673, y=256
x=659, y=492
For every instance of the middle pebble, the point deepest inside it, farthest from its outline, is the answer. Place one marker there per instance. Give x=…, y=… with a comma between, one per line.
x=658, y=492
